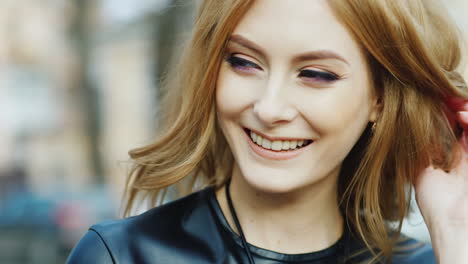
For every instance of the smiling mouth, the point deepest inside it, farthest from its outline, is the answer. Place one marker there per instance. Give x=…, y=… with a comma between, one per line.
x=276, y=145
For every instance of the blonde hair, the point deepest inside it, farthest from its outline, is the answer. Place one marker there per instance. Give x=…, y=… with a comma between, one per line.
x=413, y=53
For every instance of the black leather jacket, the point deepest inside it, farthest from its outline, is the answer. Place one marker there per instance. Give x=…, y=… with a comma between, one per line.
x=194, y=230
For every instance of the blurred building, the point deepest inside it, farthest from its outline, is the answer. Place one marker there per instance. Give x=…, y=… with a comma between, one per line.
x=78, y=90
x=42, y=124
x=130, y=51
x=78, y=86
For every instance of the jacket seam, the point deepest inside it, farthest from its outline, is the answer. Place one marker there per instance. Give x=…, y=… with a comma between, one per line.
x=105, y=244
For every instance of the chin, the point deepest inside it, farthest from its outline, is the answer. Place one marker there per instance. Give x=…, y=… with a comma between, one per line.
x=280, y=182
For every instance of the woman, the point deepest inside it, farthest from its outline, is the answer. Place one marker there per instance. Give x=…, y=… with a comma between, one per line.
x=306, y=121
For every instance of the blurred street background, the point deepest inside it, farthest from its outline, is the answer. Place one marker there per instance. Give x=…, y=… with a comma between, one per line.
x=78, y=90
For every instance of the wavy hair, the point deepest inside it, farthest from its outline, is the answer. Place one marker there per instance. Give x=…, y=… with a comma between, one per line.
x=413, y=53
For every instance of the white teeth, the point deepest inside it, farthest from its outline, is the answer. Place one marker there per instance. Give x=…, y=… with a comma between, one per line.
x=292, y=144
x=266, y=143
x=277, y=144
x=253, y=136
x=259, y=140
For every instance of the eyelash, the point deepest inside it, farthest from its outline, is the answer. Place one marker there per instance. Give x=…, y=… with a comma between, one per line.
x=246, y=65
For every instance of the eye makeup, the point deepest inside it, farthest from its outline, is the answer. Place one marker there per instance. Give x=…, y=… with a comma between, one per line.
x=241, y=64
x=319, y=75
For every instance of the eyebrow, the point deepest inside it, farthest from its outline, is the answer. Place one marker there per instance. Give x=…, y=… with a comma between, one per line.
x=311, y=55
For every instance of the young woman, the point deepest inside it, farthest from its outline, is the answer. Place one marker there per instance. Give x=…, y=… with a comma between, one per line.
x=299, y=127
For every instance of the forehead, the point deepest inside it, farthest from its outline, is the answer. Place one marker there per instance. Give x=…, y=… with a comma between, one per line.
x=285, y=28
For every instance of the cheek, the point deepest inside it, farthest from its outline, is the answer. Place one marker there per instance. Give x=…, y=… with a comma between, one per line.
x=337, y=110
x=233, y=93
x=339, y=119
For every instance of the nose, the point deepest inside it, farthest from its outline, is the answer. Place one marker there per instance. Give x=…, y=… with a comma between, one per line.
x=273, y=106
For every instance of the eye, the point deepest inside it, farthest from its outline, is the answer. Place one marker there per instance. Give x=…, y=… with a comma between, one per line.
x=241, y=63
x=321, y=76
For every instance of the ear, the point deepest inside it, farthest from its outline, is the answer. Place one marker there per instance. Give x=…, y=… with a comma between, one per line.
x=375, y=109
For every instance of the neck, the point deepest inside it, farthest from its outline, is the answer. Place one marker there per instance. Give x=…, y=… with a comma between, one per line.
x=301, y=221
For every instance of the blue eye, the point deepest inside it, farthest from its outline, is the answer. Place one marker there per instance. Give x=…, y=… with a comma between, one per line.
x=240, y=63
x=319, y=75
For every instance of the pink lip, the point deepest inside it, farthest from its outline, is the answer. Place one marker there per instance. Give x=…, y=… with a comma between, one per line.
x=275, y=155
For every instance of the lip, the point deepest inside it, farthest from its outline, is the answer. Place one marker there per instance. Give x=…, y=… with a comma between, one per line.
x=274, y=155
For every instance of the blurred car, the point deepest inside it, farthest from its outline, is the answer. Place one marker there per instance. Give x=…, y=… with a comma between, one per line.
x=44, y=228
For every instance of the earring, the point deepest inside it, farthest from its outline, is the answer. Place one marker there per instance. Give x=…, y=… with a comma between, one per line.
x=374, y=126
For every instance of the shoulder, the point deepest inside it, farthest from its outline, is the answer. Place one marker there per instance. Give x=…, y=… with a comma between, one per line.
x=91, y=249
x=144, y=236
x=411, y=251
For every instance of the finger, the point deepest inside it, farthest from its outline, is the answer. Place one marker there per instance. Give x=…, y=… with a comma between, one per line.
x=464, y=143
x=452, y=118
x=462, y=118
x=456, y=103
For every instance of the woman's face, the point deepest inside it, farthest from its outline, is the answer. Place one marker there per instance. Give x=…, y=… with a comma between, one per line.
x=292, y=74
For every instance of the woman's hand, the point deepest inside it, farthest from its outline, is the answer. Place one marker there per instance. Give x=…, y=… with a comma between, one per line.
x=443, y=197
